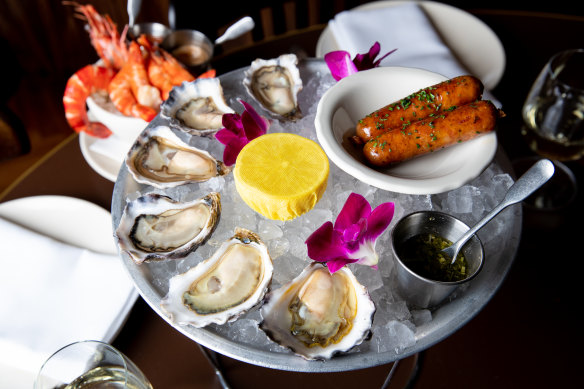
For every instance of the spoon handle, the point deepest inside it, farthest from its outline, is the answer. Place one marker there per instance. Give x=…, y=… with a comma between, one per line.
x=532, y=179
x=237, y=29
x=133, y=8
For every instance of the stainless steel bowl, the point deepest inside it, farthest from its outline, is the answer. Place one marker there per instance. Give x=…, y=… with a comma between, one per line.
x=156, y=32
x=191, y=47
x=424, y=292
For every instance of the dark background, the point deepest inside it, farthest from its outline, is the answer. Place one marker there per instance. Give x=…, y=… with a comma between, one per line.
x=43, y=36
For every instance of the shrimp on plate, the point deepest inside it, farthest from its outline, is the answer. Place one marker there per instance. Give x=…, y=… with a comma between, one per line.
x=88, y=80
x=163, y=70
x=137, y=76
x=113, y=52
x=130, y=90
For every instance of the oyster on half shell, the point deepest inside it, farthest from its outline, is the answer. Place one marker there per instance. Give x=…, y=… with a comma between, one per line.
x=275, y=84
x=155, y=227
x=223, y=287
x=161, y=159
x=196, y=107
x=318, y=314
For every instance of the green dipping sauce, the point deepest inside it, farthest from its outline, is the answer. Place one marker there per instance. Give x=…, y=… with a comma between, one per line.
x=421, y=254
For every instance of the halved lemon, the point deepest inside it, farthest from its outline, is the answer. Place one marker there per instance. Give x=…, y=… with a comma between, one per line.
x=281, y=175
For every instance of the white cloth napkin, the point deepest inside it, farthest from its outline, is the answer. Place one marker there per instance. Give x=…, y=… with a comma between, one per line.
x=405, y=27
x=54, y=294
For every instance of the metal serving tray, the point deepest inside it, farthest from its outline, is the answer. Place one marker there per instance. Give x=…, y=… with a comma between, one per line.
x=151, y=279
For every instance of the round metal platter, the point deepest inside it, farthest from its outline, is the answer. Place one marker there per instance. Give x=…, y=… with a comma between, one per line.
x=500, y=247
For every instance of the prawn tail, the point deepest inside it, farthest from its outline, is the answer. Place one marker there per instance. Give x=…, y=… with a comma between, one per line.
x=79, y=87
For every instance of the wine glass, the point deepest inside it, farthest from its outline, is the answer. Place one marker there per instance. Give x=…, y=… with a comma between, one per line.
x=90, y=364
x=553, y=113
x=553, y=126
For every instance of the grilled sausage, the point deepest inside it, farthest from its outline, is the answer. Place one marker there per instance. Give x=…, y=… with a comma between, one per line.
x=433, y=99
x=432, y=133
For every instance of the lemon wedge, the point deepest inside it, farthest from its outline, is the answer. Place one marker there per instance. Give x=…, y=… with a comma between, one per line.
x=281, y=175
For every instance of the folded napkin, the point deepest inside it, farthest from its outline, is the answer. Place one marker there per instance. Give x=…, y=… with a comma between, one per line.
x=54, y=294
x=405, y=27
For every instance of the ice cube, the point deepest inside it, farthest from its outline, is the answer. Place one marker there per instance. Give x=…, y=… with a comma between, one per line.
x=268, y=229
x=286, y=268
x=400, y=336
x=316, y=217
x=398, y=310
x=421, y=316
x=367, y=276
x=278, y=247
x=298, y=246
x=461, y=200
x=215, y=184
x=245, y=330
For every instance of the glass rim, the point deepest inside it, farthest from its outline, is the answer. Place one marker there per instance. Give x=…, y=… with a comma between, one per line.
x=80, y=342
x=550, y=67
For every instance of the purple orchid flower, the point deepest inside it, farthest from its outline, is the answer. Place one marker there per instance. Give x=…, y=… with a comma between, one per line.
x=240, y=130
x=353, y=236
x=340, y=64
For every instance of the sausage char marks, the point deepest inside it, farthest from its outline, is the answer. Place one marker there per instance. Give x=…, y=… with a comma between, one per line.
x=435, y=132
x=419, y=105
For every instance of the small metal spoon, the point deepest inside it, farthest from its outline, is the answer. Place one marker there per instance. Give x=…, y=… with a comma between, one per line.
x=532, y=179
x=133, y=8
x=238, y=28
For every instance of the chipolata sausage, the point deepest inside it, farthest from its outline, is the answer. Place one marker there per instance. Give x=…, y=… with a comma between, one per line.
x=431, y=100
x=432, y=133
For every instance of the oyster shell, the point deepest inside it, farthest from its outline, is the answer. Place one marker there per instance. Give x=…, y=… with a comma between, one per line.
x=275, y=84
x=161, y=159
x=223, y=287
x=155, y=227
x=196, y=107
x=317, y=314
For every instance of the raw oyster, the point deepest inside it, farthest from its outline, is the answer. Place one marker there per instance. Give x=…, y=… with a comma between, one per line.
x=223, y=287
x=317, y=314
x=196, y=107
x=155, y=227
x=161, y=159
x=275, y=84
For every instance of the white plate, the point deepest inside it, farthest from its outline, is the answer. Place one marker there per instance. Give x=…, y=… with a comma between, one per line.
x=470, y=39
x=73, y=221
x=364, y=92
x=106, y=167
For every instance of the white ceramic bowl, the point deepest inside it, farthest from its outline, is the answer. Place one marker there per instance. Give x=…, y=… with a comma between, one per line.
x=125, y=128
x=355, y=96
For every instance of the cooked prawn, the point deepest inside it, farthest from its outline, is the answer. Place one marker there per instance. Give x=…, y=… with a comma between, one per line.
x=143, y=79
x=178, y=74
x=130, y=91
x=121, y=95
x=145, y=93
x=164, y=73
x=86, y=81
x=211, y=73
x=159, y=78
x=103, y=33
x=156, y=73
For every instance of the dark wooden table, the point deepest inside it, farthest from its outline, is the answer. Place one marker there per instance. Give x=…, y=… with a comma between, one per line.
x=528, y=335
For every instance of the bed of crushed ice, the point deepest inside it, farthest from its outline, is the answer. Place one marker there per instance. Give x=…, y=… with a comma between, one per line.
x=394, y=325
